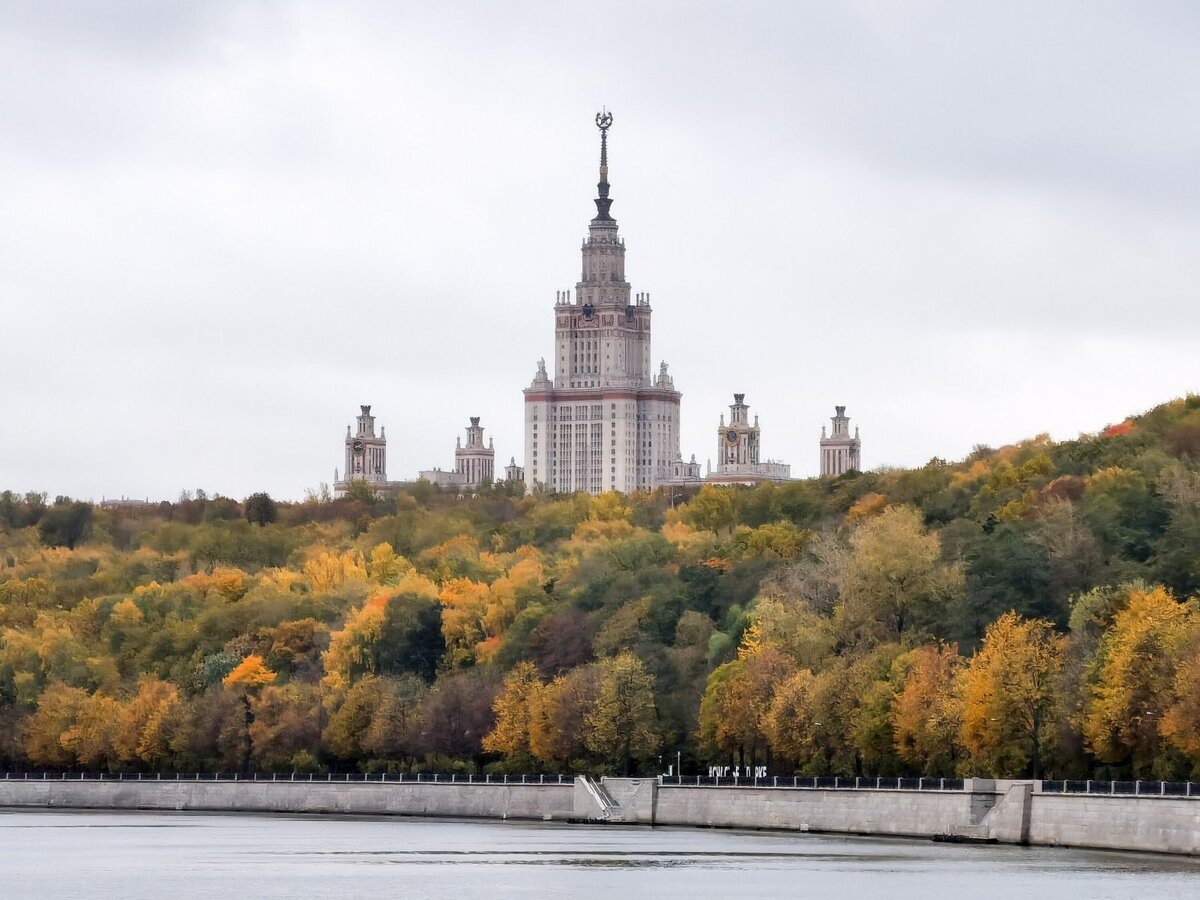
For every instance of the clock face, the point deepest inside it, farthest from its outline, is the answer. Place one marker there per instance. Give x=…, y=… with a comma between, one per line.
x=357, y=446
x=731, y=436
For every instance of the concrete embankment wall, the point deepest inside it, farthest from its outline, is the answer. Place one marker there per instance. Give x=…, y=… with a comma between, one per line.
x=488, y=801
x=910, y=813
x=1159, y=824
x=1007, y=812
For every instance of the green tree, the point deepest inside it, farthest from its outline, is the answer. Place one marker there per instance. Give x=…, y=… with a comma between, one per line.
x=260, y=509
x=712, y=509
x=65, y=524
x=895, y=580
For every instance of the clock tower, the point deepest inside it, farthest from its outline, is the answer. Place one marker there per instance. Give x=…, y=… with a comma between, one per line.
x=366, y=453
x=738, y=442
x=739, y=449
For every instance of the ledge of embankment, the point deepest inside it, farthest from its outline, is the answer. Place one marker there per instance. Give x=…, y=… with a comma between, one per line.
x=1013, y=812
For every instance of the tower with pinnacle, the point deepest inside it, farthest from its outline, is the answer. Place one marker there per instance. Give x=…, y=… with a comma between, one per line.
x=365, y=456
x=606, y=419
x=839, y=451
x=739, y=449
x=475, y=464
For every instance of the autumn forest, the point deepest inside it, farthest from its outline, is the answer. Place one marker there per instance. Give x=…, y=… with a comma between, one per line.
x=1029, y=611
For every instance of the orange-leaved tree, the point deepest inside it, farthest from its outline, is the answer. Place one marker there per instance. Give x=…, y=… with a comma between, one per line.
x=926, y=712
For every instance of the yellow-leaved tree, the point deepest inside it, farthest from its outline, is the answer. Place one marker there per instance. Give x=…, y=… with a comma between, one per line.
x=558, y=718
x=789, y=724
x=249, y=674
x=93, y=736
x=328, y=571
x=147, y=720
x=1012, y=698
x=386, y=565
x=1181, y=722
x=511, y=593
x=58, y=708
x=1133, y=679
x=738, y=698
x=464, y=613
x=514, y=707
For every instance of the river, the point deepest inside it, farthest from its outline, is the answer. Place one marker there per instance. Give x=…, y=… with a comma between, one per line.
x=181, y=856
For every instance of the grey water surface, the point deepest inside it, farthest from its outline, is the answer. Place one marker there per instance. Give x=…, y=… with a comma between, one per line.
x=180, y=856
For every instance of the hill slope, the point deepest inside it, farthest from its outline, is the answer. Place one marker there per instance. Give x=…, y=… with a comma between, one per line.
x=1018, y=612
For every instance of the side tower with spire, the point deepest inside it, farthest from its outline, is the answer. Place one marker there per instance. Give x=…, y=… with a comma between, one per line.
x=475, y=463
x=839, y=451
x=365, y=454
x=605, y=420
x=739, y=448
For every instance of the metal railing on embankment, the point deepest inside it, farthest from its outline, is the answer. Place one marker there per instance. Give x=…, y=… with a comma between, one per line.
x=1170, y=789
x=260, y=777
x=809, y=783
x=1124, y=788
x=1177, y=789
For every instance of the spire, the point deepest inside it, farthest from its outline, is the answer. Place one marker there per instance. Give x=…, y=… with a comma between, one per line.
x=604, y=121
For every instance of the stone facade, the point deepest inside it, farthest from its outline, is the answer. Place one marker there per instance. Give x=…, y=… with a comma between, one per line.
x=474, y=464
x=605, y=421
x=685, y=472
x=365, y=455
x=513, y=472
x=840, y=452
x=739, y=447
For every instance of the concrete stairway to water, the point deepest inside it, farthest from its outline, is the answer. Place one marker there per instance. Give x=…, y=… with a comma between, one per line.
x=629, y=800
x=593, y=801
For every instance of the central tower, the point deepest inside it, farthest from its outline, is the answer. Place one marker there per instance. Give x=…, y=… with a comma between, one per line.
x=606, y=421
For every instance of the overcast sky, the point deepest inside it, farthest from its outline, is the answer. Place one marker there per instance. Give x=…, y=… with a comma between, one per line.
x=224, y=225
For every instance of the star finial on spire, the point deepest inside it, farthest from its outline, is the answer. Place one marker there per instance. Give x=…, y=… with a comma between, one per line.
x=604, y=120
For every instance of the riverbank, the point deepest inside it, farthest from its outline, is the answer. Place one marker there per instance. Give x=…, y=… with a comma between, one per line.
x=1009, y=812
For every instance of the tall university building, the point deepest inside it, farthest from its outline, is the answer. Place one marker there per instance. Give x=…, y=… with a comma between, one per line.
x=608, y=419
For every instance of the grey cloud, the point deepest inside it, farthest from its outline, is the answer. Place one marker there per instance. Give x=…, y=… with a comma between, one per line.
x=226, y=225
